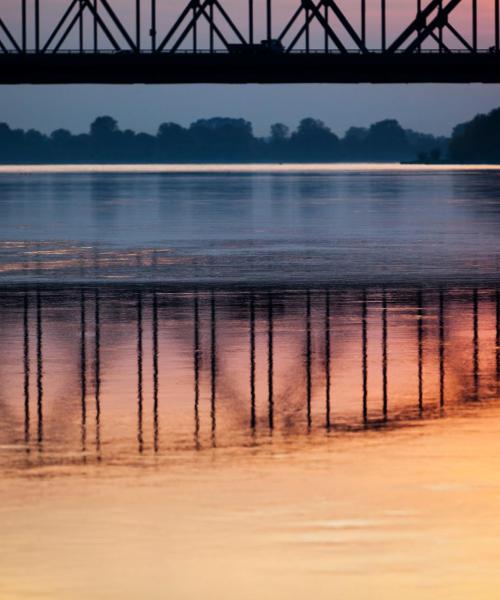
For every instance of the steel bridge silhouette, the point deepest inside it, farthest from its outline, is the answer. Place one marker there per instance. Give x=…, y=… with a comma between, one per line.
x=320, y=41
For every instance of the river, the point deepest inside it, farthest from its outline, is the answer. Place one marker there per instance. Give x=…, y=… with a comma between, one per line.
x=236, y=382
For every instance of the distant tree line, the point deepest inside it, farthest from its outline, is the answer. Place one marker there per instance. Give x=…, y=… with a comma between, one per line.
x=232, y=140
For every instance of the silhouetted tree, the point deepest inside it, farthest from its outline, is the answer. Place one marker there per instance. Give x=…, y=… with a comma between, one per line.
x=353, y=144
x=278, y=143
x=314, y=141
x=279, y=132
x=386, y=140
x=103, y=128
x=172, y=143
x=477, y=140
x=222, y=138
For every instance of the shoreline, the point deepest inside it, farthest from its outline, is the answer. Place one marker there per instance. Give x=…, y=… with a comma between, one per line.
x=204, y=168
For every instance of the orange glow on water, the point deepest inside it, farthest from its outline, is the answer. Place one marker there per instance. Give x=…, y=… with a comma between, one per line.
x=176, y=443
x=184, y=361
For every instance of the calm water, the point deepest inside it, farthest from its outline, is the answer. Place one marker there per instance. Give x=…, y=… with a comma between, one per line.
x=277, y=384
x=384, y=225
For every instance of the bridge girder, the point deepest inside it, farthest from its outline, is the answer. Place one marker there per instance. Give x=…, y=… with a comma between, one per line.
x=226, y=68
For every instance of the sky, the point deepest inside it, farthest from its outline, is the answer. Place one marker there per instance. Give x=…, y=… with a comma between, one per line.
x=428, y=108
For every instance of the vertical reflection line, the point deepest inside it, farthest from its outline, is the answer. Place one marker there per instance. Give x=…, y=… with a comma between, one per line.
x=39, y=373
x=475, y=343
x=327, y=358
x=270, y=361
x=140, y=438
x=308, y=357
x=97, y=370
x=364, y=335
x=441, y=348
x=26, y=362
x=420, y=335
x=213, y=367
x=83, y=369
x=252, y=362
x=384, y=354
x=156, y=430
x=196, y=365
x=497, y=337
x=154, y=261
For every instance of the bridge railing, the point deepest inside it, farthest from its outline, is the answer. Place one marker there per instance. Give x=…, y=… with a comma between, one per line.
x=369, y=26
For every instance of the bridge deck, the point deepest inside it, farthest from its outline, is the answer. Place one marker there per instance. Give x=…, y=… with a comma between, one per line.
x=313, y=67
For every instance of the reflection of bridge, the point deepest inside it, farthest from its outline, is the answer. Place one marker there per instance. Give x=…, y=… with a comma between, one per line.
x=313, y=395
x=105, y=41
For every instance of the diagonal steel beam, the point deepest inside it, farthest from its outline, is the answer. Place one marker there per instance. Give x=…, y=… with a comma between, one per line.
x=10, y=37
x=197, y=12
x=229, y=21
x=119, y=25
x=68, y=29
x=201, y=11
x=459, y=37
x=299, y=34
x=415, y=27
x=314, y=13
x=435, y=22
x=58, y=27
x=216, y=30
x=346, y=24
x=440, y=43
x=291, y=22
x=92, y=7
x=84, y=4
x=175, y=26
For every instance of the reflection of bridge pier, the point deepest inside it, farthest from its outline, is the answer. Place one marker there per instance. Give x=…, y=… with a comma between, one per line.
x=140, y=434
x=327, y=359
x=308, y=358
x=475, y=344
x=154, y=319
x=364, y=353
x=83, y=372
x=441, y=348
x=384, y=354
x=196, y=364
x=39, y=371
x=270, y=361
x=97, y=370
x=306, y=334
x=26, y=365
x=420, y=335
x=85, y=365
x=213, y=368
x=252, y=362
x=497, y=336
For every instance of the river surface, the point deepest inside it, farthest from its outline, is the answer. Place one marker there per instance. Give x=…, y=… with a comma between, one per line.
x=385, y=224
x=249, y=382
